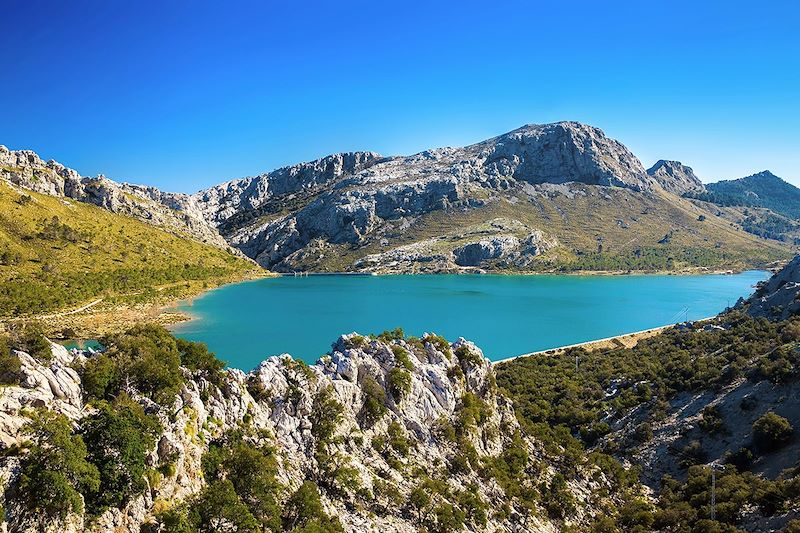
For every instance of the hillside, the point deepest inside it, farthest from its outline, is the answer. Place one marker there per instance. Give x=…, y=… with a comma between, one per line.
x=557, y=196
x=759, y=190
x=721, y=394
x=383, y=434
x=169, y=211
x=57, y=253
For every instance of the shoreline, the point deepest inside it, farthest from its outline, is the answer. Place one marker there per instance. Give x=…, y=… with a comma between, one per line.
x=623, y=340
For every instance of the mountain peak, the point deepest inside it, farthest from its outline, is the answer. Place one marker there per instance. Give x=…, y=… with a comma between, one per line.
x=675, y=177
x=562, y=152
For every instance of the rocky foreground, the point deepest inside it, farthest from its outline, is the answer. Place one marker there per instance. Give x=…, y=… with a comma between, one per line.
x=400, y=415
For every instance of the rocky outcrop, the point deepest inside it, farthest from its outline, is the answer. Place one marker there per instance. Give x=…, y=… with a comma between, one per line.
x=54, y=385
x=177, y=213
x=443, y=380
x=778, y=297
x=675, y=177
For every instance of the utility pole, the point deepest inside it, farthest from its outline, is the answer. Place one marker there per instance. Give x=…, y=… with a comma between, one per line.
x=713, y=491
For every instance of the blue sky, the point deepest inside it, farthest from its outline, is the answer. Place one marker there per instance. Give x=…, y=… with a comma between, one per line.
x=184, y=94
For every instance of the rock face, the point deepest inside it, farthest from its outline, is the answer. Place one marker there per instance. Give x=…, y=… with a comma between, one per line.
x=360, y=199
x=778, y=297
x=54, y=386
x=675, y=177
x=174, y=212
x=442, y=377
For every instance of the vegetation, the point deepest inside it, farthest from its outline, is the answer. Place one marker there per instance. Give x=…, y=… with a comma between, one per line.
x=241, y=487
x=761, y=190
x=118, y=438
x=374, y=400
x=55, y=471
x=572, y=410
x=146, y=357
x=57, y=253
x=771, y=431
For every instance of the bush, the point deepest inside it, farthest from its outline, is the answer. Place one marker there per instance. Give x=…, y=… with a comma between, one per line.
x=440, y=343
x=399, y=383
x=196, y=357
x=397, y=439
x=467, y=357
x=219, y=505
x=374, y=400
x=31, y=340
x=304, y=512
x=55, y=471
x=145, y=357
x=712, y=421
x=118, y=438
x=402, y=357
x=250, y=469
x=771, y=431
x=9, y=363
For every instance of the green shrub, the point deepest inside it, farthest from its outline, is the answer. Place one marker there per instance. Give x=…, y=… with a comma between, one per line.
x=472, y=413
x=250, y=469
x=397, y=439
x=402, y=357
x=55, y=471
x=374, y=400
x=771, y=431
x=9, y=363
x=399, y=383
x=118, y=438
x=396, y=334
x=712, y=421
x=31, y=340
x=304, y=512
x=196, y=357
x=467, y=357
x=218, y=505
x=145, y=357
x=356, y=341
x=440, y=343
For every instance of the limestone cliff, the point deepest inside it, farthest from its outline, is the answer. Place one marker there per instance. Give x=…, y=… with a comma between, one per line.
x=280, y=398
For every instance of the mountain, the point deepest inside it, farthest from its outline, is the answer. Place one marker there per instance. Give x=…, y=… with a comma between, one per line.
x=764, y=189
x=171, y=211
x=675, y=177
x=762, y=204
x=388, y=433
x=542, y=197
x=551, y=197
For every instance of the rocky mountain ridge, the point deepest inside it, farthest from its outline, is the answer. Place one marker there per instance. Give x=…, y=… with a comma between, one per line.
x=540, y=197
x=675, y=177
x=282, y=398
x=175, y=212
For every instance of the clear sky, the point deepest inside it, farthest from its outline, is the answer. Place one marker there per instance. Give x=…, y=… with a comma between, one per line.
x=185, y=94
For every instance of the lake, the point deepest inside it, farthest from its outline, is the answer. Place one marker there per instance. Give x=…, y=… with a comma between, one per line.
x=245, y=323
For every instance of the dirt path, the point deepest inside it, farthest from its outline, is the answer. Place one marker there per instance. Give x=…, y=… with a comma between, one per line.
x=73, y=312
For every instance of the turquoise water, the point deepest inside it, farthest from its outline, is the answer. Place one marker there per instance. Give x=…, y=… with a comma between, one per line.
x=505, y=315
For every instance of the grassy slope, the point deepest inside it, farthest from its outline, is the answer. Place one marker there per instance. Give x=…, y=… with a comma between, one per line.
x=91, y=253
x=625, y=220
